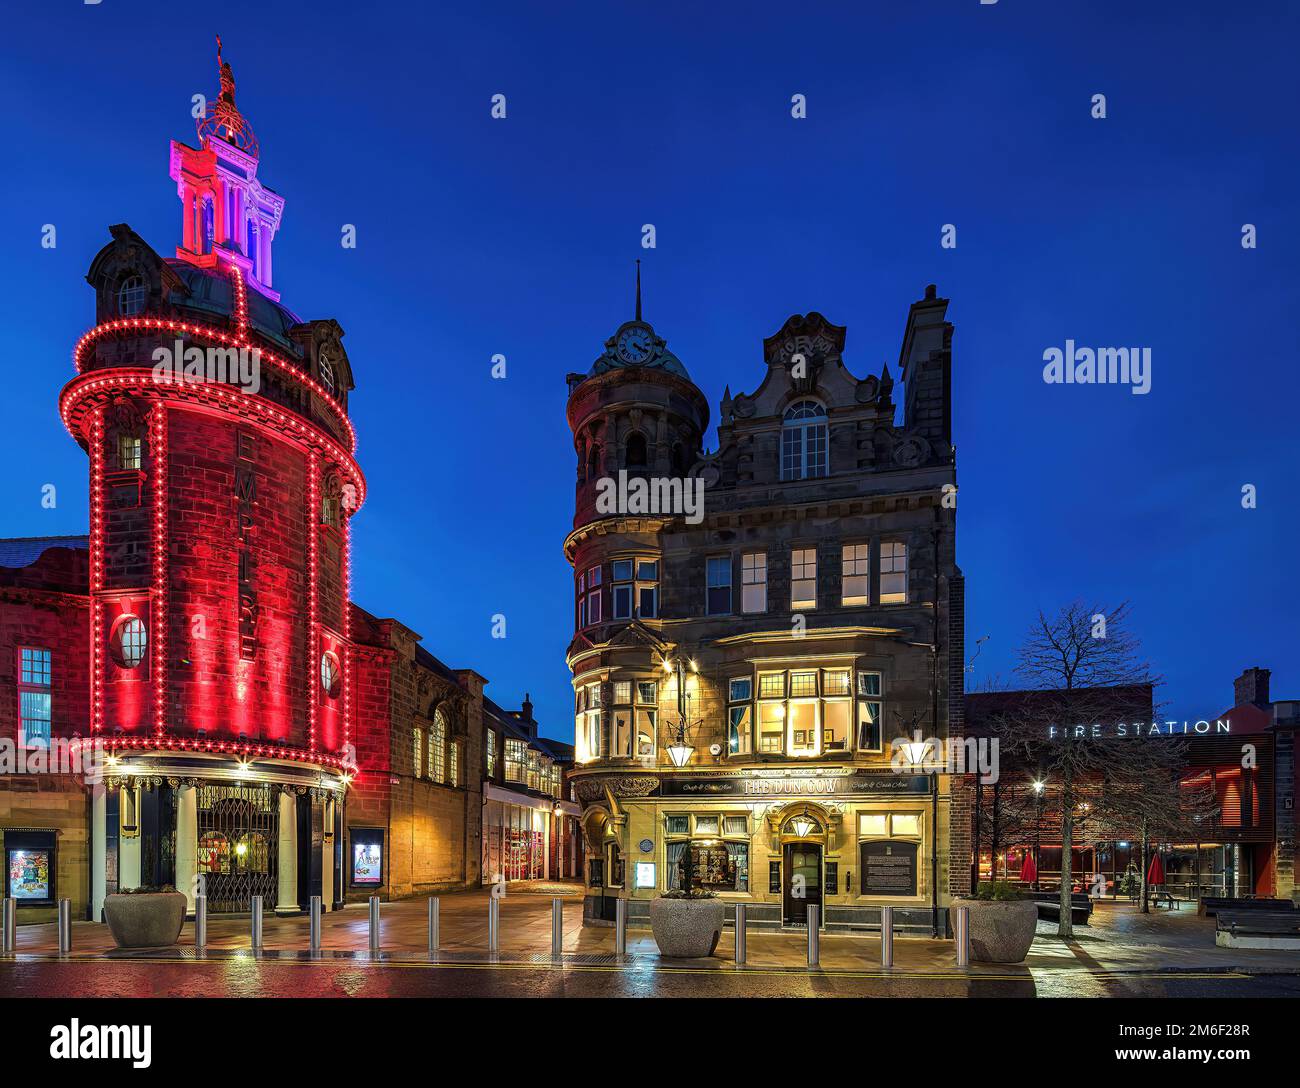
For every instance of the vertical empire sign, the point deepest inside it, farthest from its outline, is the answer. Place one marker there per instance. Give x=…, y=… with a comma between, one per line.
x=245, y=500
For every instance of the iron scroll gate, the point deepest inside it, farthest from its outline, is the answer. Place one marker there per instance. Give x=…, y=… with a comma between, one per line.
x=238, y=844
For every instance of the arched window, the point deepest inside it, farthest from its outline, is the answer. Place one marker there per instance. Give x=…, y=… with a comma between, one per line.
x=636, y=450
x=331, y=673
x=679, y=459
x=326, y=370
x=131, y=296
x=127, y=642
x=207, y=225
x=438, y=747
x=803, y=441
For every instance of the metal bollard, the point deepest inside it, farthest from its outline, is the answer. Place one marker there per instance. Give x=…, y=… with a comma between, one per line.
x=741, y=941
x=313, y=924
x=374, y=925
x=814, y=935
x=257, y=923
x=620, y=927
x=9, y=926
x=494, y=923
x=435, y=907
x=201, y=915
x=65, y=926
x=557, y=928
x=886, y=936
x=961, y=936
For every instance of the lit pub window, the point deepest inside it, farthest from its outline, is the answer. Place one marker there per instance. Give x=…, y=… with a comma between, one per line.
x=127, y=642
x=855, y=560
x=803, y=578
x=753, y=582
x=34, y=697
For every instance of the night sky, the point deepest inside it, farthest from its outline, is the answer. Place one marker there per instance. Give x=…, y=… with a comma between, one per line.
x=479, y=236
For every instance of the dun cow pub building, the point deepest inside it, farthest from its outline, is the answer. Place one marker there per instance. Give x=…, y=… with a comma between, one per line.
x=739, y=677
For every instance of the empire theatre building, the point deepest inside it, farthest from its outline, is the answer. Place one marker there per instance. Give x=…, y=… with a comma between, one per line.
x=219, y=654
x=742, y=671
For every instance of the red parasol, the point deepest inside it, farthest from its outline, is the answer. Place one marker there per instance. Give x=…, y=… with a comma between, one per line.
x=1028, y=871
x=1156, y=874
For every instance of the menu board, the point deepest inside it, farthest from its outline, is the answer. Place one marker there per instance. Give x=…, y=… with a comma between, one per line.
x=29, y=874
x=889, y=868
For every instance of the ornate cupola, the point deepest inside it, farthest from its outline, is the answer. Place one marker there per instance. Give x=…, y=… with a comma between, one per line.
x=224, y=207
x=635, y=409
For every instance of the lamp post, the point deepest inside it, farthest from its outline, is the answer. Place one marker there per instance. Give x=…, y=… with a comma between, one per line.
x=1039, y=786
x=915, y=752
x=680, y=751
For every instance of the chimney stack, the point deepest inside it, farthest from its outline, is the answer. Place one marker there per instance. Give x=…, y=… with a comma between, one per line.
x=1251, y=687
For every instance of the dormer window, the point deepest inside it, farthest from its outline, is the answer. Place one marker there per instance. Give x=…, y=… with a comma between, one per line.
x=325, y=369
x=131, y=296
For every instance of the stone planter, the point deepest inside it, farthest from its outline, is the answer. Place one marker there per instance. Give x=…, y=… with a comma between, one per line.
x=686, y=928
x=1000, y=932
x=145, y=919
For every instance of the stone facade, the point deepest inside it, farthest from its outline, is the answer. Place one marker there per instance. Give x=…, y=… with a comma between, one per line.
x=818, y=583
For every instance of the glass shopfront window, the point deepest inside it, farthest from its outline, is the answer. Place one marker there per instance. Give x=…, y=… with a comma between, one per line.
x=717, y=847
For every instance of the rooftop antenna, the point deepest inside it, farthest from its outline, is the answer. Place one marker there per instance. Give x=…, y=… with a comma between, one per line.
x=638, y=288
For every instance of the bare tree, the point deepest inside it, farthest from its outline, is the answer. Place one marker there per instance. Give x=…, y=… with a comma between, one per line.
x=1088, y=668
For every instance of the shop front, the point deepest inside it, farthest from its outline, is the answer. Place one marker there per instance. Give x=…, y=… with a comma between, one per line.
x=259, y=827
x=519, y=835
x=847, y=840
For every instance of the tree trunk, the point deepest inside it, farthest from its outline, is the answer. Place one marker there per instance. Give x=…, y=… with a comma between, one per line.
x=1065, y=928
x=1143, y=889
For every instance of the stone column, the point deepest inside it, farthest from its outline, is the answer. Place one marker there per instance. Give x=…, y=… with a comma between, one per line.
x=327, y=856
x=98, y=849
x=187, y=227
x=287, y=858
x=187, y=843
x=128, y=816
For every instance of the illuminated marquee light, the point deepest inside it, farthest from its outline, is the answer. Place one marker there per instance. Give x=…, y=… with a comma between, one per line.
x=81, y=395
x=158, y=424
x=96, y=567
x=241, y=300
x=313, y=628
x=241, y=750
x=220, y=336
x=347, y=625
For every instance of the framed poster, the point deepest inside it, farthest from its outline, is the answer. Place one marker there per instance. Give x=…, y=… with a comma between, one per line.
x=29, y=874
x=367, y=857
x=29, y=860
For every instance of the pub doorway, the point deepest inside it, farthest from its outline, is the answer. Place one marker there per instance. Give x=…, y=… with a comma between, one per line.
x=801, y=882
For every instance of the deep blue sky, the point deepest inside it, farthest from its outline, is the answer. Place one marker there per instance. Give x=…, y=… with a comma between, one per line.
x=479, y=236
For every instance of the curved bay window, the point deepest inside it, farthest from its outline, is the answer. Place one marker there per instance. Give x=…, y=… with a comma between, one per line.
x=803, y=441
x=586, y=723
x=635, y=589
x=634, y=719
x=714, y=845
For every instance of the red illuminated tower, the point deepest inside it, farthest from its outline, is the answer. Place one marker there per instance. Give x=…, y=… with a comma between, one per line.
x=222, y=481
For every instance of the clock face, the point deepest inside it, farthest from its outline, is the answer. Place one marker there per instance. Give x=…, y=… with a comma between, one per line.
x=634, y=344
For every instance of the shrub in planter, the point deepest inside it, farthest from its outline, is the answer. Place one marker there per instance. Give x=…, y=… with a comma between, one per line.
x=1002, y=923
x=686, y=925
x=145, y=917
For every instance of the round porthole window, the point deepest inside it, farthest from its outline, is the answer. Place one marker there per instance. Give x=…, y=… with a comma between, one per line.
x=128, y=641
x=331, y=673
